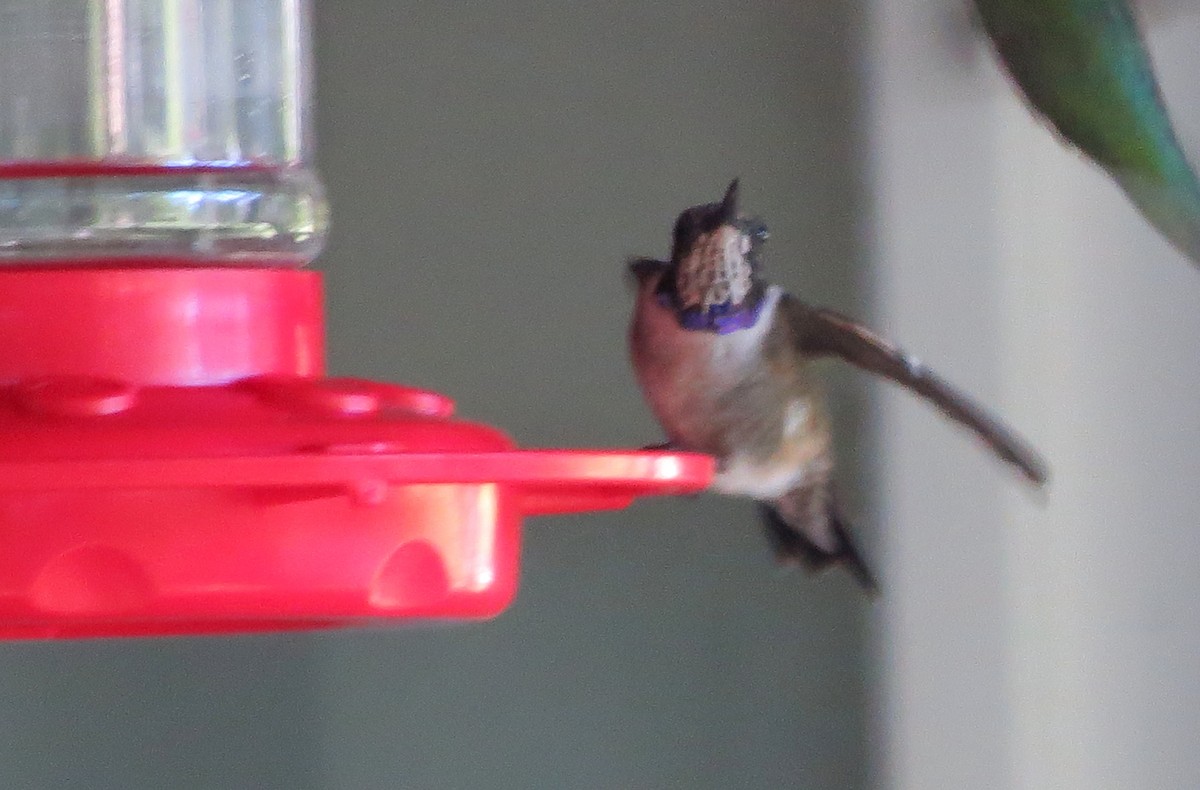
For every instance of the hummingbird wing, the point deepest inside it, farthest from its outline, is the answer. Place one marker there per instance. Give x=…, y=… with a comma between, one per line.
x=1084, y=67
x=818, y=332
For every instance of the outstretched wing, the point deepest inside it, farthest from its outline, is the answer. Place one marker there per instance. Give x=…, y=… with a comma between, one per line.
x=819, y=332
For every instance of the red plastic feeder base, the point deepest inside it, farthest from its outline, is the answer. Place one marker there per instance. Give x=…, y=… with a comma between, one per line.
x=227, y=487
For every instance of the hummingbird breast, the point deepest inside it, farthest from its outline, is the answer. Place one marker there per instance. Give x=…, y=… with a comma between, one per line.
x=744, y=397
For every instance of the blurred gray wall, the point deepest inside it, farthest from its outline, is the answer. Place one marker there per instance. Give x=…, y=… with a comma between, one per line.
x=490, y=170
x=490, y=167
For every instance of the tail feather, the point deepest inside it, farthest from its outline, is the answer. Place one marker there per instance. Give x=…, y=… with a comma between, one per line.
x=791, y=545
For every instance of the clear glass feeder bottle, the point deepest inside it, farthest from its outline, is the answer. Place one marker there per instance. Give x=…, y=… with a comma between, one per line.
x=164, y=130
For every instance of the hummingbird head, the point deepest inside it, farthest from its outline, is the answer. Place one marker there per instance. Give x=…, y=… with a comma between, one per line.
x=714, y=257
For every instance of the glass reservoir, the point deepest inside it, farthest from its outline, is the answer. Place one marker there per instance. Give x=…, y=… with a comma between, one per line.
x=170, y=131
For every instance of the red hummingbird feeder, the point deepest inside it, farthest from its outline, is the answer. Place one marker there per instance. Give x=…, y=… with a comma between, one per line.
x=175, y=460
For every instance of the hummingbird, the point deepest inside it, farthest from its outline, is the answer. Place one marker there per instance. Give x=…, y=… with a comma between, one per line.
x=723, y=359
x=1084, y=67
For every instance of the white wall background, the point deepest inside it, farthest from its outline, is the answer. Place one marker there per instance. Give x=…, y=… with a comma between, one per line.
x=1031, y=642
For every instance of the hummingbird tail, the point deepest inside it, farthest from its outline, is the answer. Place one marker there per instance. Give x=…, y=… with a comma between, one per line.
x=791, y=546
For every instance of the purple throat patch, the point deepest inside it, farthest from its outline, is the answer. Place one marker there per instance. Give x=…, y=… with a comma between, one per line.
x=720, y=318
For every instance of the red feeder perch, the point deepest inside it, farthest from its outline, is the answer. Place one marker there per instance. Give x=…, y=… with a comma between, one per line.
x=175, y=461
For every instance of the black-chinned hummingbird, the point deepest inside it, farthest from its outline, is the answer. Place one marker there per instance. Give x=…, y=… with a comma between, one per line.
x=722, y=358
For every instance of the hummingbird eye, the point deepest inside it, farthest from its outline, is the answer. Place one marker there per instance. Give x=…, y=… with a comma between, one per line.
x=754, y=228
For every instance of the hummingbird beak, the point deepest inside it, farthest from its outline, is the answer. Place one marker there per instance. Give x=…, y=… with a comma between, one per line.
x=729, y=208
